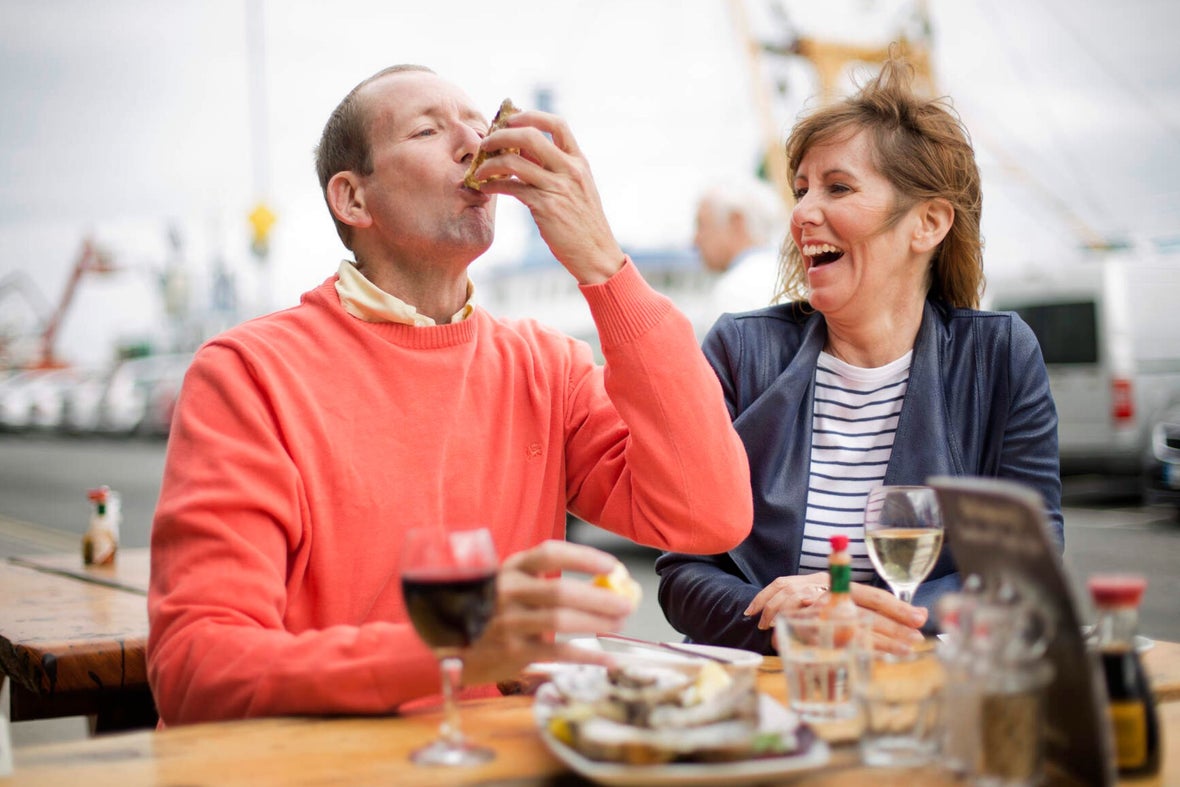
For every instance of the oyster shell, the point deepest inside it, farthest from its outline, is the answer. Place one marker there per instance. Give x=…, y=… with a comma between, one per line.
x=507, y=109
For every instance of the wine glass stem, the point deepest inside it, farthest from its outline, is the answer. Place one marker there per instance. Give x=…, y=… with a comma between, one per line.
x=452, y=679
x=906, y=595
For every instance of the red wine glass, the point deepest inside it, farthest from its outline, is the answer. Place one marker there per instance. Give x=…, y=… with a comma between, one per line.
x=449, y=585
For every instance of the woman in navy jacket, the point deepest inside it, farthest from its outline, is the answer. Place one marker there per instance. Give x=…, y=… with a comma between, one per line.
x=879, y=369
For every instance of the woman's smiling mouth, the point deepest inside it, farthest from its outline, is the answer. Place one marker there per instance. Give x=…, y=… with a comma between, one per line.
x=821, y=253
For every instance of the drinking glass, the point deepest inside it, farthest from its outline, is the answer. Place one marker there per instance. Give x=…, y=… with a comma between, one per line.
x=903, y=533
x=901, y=702
x=449, y=585
x=817, y=653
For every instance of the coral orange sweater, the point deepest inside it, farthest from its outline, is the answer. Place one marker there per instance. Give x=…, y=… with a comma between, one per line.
x=306, y=441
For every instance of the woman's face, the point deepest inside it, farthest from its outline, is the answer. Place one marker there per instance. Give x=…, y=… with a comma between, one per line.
x=856, y=265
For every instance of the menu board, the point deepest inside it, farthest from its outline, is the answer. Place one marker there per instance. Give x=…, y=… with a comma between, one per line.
x=5, y=731
x=998, y=530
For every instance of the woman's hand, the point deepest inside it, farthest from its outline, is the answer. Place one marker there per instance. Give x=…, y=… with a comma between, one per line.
x=786, y=594
x=895, y=624
x=534, y=602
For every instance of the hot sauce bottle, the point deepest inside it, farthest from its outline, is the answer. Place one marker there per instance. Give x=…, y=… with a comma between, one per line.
x=840, y=606
x=1132, y=709
x=840, y=603
x=101, y=540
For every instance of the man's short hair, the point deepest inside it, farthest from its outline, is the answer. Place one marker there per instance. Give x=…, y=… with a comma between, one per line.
x=759, y=204
x=344, y=144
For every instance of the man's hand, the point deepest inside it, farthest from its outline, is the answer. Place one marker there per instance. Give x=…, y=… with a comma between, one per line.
x=533, y=603
x=895, y=624
x=552, y=177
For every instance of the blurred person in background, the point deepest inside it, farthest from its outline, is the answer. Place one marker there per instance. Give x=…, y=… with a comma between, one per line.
x=876, y=369
x=306, y=442
x=740, y=224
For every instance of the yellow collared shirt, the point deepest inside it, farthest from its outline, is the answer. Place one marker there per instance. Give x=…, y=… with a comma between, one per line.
x=366, y=301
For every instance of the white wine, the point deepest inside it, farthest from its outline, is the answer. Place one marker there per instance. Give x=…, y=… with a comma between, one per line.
x=903, y=556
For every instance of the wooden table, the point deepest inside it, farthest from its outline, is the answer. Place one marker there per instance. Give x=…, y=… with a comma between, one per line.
x=131, y=570
x=1162, y=663
x=297, y=751
x=72, y=639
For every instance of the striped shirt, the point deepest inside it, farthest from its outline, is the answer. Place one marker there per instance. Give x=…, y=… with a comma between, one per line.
x=852, y=429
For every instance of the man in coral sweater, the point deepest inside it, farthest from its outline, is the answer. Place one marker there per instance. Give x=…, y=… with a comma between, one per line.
x=305, y=442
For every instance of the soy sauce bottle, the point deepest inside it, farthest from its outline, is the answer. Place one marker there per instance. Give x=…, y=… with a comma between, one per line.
x=1132, y=709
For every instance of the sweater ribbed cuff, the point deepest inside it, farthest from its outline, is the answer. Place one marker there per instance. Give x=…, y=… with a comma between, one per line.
x=624, y=306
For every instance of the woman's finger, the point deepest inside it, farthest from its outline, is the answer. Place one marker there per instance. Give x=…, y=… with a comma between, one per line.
x=886, y=604
x=785, y=594
x=890, y=636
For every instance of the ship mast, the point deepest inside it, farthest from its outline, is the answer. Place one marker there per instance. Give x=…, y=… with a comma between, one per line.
x=832, y=61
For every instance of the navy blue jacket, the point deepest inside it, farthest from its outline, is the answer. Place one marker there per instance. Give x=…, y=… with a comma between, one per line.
x=977, y=404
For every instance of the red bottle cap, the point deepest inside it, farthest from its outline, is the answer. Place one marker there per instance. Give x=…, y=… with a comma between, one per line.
x=1117, y=590
x=99, y=494
x=839, y=543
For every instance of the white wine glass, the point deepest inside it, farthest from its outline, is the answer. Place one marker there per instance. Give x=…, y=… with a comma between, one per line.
x=903, y=533
x=448, y=582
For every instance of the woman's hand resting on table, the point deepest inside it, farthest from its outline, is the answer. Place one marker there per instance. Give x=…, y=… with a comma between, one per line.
x=533, y=603
x=895, y=624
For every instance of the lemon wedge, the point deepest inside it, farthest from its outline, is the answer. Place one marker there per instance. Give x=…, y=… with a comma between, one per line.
x=619, y=580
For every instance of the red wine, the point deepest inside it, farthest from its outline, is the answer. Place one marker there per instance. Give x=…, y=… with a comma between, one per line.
x=449, y=609
x=1132, y=712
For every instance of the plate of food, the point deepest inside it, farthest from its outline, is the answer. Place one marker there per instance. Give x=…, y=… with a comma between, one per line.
x=653, y=723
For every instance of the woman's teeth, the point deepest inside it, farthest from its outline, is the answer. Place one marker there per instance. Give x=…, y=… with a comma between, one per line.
x=822, y=253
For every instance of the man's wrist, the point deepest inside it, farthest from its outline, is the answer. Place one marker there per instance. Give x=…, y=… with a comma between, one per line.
x=602, y=269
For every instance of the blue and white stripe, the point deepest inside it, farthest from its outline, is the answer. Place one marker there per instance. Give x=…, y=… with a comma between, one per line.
x=853, y=425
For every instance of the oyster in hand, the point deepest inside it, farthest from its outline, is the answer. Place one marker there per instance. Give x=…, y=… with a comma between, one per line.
x=507, y=109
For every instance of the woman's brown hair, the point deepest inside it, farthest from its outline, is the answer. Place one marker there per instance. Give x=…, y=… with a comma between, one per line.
x=920, y=146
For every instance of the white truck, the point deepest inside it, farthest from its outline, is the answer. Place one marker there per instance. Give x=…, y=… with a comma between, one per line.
x=1109, y=328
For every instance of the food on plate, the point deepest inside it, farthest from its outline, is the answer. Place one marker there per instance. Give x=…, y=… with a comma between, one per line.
x=655, y=713
x=619, y=580
x=526, y=682
x=506, y=110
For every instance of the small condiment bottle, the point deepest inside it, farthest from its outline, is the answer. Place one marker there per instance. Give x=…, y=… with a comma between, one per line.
x=1132, y=710
x=101, y=540
x=840, y=603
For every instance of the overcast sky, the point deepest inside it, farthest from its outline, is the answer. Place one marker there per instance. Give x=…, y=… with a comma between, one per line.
x=120, y=118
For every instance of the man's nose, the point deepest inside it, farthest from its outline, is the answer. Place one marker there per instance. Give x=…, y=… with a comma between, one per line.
x=468, y=144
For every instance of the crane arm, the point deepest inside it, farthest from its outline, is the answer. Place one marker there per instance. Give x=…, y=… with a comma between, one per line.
x=90, y=260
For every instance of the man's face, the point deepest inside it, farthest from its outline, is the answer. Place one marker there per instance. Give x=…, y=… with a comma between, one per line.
x=423, y=131
x=713, y=237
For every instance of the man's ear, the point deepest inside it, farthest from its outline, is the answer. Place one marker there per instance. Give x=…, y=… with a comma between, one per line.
x=346, y=198
x=935, y=217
